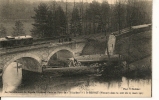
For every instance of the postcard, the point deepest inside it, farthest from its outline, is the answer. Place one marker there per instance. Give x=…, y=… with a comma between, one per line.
x=76, y=48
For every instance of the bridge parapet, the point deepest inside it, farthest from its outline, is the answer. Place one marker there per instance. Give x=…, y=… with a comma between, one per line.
x=40, y=53
x=72, y=45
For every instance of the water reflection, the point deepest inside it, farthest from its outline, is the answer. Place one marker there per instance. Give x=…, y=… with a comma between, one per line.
x=12, y=77
x=49, y=83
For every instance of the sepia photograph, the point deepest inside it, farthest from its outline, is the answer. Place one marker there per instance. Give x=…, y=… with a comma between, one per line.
x=76, y=48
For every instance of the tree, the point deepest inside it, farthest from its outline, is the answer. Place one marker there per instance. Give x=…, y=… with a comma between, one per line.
x=104, y=22
x=50, y=24
x=94, y=15
x=137, y=12
x=132, y=13
x=88, y=21
x=18, y=29
x=76, y=27
x=49, y=21
x=119, y=15
x=60, y=22
x=104, y=16
x=3, y=31
x=40, y=26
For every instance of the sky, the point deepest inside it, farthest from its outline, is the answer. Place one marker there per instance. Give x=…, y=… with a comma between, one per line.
x=110, y=1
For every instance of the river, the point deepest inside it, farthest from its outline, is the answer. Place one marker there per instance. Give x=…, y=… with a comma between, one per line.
x=82, y=85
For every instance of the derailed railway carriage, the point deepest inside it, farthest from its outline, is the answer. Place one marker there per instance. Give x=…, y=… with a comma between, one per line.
x=115, y=37
x=10, y=41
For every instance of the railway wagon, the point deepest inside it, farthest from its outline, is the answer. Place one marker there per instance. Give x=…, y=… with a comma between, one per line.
x=10, y=41
x=115, y=37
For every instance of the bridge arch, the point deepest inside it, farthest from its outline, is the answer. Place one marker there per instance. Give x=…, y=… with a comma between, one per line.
x=59, y=49
x=11, y=78
x=29, y=55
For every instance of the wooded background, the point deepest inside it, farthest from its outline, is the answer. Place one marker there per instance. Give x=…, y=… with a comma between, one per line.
x=56, y=18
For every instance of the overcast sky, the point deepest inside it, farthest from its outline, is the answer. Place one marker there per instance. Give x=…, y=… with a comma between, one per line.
x=110, y=1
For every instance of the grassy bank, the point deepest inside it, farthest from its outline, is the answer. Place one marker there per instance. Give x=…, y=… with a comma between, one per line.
x=138, y=69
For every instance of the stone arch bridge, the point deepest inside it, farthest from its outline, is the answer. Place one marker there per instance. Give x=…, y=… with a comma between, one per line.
x=40, y=54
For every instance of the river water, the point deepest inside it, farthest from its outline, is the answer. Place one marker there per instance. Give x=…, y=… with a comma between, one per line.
x=82, y=85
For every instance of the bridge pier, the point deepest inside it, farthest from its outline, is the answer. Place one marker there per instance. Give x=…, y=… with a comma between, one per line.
x=34, y=58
